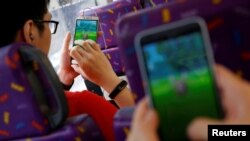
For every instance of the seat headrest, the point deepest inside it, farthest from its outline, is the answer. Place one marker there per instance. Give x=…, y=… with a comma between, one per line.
x=31, y=96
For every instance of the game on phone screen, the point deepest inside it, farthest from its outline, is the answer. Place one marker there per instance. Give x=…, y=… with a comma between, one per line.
x=86, y=29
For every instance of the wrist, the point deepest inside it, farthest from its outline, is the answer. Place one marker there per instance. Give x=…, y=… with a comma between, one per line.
x=109, y=85
x=64, y=78
x=67, y=87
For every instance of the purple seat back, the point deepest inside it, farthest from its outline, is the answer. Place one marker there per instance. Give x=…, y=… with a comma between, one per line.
x=122, y=121
x=27, y=88
x=114, y=58
x=80, y=128
x=31, y=99
x=107, y=18
x=228, y=22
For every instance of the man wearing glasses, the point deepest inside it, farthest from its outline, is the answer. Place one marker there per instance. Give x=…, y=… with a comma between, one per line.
x=52, y=25
x=31, y=23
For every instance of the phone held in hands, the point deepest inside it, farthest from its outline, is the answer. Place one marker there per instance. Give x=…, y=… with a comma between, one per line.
x=86, y=27
x=176, y=65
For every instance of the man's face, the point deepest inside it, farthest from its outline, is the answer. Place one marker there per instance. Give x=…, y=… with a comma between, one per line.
x=44, y=37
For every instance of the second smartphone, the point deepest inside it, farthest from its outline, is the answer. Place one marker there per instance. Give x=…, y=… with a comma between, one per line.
x=176, y=64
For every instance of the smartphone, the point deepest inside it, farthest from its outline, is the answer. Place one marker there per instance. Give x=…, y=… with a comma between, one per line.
x=176, y=65
x=86, y=28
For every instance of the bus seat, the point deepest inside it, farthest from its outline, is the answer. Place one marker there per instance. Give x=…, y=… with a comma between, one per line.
x=226, y=21
x=108, y=15
x=114, y=58
x=79, y=128
x=32, y=101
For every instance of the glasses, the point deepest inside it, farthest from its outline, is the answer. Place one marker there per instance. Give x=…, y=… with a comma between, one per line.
x=52, y=25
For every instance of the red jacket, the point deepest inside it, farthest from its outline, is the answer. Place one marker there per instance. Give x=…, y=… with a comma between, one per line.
x=101, y=111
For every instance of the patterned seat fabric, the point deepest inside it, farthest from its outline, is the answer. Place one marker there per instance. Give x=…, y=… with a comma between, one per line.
x=226, y=21
x=32, y=101
x=81, y=128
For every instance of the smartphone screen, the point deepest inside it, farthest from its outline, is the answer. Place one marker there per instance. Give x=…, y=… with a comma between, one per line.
x=86, y=28
x=179, y=77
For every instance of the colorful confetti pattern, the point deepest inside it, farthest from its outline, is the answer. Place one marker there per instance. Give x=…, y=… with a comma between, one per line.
x=228, y=23
x=20, y=116
x=108, y=16
x=17, y=118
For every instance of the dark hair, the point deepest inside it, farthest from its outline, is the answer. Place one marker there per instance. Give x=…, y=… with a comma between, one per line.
x=19, y=11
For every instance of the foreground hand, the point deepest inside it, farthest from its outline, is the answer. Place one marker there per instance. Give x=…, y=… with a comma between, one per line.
x=235, y=96
x=145, y=123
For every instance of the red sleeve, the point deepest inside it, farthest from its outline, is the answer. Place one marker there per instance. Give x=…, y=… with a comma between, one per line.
x=97, y=107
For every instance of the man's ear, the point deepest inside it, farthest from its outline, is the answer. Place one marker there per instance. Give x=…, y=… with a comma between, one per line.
x=29, y=31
